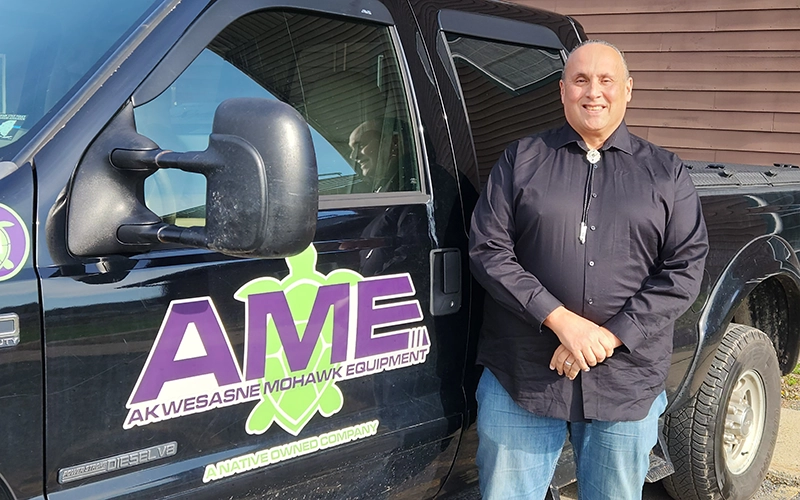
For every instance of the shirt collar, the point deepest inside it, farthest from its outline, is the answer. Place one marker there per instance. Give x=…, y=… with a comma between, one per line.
x=619, y=139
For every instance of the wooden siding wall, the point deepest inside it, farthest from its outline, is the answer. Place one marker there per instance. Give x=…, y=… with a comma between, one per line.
x=714, y=80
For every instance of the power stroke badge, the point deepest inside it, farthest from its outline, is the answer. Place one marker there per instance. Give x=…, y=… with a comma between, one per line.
x=304, y=334
x=122, y=461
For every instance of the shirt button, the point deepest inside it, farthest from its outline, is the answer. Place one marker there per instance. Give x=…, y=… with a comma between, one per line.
x=592, y=228
x=594, y=166
x=594, y=195
x=590, y=301
x=591, y=263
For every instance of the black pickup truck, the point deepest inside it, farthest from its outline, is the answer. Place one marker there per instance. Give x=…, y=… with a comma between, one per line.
x=232, y=252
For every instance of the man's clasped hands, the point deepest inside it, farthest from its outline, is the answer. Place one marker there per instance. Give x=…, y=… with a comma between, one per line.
x=583, y=343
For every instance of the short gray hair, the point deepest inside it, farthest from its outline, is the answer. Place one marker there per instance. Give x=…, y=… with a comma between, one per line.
x=600, y=42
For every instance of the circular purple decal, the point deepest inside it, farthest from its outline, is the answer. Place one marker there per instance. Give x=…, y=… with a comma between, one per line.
x=15, y=244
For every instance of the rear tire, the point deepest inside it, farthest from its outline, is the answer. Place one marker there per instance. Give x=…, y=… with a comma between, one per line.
x=721, y=442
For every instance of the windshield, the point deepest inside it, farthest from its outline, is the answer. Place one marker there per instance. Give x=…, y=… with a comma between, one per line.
x=46, y=48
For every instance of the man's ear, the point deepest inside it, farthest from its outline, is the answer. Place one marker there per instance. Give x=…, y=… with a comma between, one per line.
x=561, y=88
x=629, y=89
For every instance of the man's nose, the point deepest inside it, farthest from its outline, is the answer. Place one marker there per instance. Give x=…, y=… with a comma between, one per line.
x=593, y=89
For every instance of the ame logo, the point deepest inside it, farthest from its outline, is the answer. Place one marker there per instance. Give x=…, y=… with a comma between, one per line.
x=303, y=334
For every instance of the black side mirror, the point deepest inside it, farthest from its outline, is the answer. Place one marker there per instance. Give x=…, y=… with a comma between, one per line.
x=261, y=178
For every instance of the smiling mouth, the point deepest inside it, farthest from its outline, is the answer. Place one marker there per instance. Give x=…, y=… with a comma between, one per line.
x=589, y=107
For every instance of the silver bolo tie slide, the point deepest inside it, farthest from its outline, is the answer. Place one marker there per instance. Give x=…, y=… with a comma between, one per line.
x=593, y=156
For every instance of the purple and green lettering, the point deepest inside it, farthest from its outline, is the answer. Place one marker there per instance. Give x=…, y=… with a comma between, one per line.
x=303, y=334
x=162, y=365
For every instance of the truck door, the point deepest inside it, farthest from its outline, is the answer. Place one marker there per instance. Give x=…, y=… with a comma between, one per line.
x=21, y=447
x=499, y=80
x=183, y=371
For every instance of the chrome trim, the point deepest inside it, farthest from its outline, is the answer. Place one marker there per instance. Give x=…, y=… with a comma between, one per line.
x=9, y=330
x=366, y=200
x=577, y=34
x=413, y=109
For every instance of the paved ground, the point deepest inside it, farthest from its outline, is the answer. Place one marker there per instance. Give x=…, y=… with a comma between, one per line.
x=783, y=479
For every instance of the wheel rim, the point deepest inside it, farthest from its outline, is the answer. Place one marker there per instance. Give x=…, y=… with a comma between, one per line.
x=744, y=422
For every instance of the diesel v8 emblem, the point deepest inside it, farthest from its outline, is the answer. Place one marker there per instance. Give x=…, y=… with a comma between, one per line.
x=123, y=461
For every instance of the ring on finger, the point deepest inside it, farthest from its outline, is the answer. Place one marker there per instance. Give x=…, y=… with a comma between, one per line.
x=567, y=363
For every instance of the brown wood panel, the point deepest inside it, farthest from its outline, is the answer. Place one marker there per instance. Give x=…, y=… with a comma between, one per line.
x=787, y=122
x=695, y=154
x=576, y=7
x=778, y=19
x=551, y=5
x=631, y=42
x=723, y=101
x=756, y=158
x=649, y=23
x=764, y=81
x=723, y=41
x=759, y=101
x=701, y=119
x=665, y=99
x=674, y=21
x=642, y=132
x=722, y=155
x=715, y=61
x=757, y=142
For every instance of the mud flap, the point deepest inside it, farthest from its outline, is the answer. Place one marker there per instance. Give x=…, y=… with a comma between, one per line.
x=660, y=464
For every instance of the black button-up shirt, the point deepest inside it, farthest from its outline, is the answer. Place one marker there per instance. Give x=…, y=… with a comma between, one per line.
x=638, y=270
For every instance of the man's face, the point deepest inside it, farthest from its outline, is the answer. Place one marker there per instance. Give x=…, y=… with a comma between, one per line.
x=595, y=92
x=364, y=146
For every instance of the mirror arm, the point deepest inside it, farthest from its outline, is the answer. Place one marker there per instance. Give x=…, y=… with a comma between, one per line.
x=162, y=232
x=137, y=160
x=152, y=159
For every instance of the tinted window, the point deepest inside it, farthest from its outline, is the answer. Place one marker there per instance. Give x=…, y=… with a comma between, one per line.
x=509, y=91
x=343, y=77
x=46, y=47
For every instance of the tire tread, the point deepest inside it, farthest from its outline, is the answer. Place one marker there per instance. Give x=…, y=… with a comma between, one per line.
x=690, y=430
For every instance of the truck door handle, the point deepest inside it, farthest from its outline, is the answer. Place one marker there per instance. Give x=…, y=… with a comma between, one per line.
x=9, y=330
x=445, y=281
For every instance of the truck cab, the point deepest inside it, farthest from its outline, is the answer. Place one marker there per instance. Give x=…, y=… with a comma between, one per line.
x=233, y=241
x=237, y=233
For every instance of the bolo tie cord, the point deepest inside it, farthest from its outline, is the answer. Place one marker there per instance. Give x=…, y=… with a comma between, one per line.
x=594, y=156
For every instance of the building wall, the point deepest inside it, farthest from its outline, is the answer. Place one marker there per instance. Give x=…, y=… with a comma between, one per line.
x=714, y=80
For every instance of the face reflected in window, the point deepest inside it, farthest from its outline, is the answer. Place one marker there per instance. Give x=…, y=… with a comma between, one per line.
x=374, y=147
x=364, y=145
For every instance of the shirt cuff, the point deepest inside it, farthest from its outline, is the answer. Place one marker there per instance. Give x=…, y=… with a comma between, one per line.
x=540, y=306
x=626, y=330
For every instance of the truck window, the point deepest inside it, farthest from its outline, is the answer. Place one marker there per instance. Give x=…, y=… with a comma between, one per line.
x=509, y=91
x=48, y=48
x=342, y=76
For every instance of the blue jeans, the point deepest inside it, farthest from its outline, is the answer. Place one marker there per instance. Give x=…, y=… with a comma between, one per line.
x=518, y=451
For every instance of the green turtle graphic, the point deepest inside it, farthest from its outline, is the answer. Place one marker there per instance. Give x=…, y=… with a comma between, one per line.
x=293, y=409
x=5, y=246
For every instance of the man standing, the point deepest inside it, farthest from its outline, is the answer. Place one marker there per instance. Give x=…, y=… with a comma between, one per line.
x=590, y=243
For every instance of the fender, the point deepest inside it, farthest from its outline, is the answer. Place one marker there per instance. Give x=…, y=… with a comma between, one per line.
x=765, y=257
x=5, y=489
